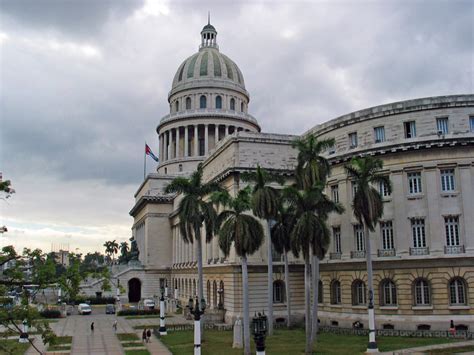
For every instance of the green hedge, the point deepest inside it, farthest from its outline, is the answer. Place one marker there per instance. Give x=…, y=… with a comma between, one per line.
x=50, y=313
x=138, y=312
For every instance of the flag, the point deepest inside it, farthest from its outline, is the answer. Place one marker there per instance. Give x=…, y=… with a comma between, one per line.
x=150, y=153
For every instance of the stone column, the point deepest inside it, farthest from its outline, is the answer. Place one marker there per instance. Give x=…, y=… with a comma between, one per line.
x=226, y=130
x=167, y=151
x=434, y=222
x=177, y=143
x=196, y=141
x=466, y=194
x=206, y=139
x=216, y=134
x=186, y=146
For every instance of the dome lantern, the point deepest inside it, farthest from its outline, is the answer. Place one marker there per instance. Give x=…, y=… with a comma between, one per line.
x=209, y=35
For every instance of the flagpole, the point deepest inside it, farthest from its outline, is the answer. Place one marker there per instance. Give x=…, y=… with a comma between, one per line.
x=144, y=163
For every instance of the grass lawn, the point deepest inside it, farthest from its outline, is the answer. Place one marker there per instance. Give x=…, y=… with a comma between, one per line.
x=137, y=352
x=61, y=343
x=127, y=336
x=13, y=346
x=59, y=347
x=63, y=340
x=157, y=316
x=290, y=342
x=133, y=344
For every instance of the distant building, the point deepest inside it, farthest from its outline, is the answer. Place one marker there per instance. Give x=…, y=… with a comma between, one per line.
x=62, y=257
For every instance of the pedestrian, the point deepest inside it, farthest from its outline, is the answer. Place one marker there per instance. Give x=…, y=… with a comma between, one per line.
x=452, y=329
x=92, y=327
x=148, y=335
x=144, y=335
x=114, y=326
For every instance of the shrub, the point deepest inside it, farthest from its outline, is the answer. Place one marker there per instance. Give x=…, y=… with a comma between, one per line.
x=138, y=312
x=50, y=313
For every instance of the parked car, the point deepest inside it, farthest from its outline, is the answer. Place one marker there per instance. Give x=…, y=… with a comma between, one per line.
x=109, y=309
x=84, y=308
x=148, y=304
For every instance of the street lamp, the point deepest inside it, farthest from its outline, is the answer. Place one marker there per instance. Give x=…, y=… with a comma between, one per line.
x=162, y=329
x=259, y=331
x=24, y=333
x=197, y=311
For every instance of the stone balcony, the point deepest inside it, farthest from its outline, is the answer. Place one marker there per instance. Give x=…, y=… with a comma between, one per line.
x=358, y=254
x=383, y=253
x=420, y=251
x=335, y=256
x=454, y=249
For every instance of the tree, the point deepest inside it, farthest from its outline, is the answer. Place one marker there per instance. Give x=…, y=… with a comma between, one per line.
x=70, y=281
x=195, y=212
x=368, y=209
x=124, y=253
x=245, y=232
x=265, y=206
x=281, y=239
x=111, y=248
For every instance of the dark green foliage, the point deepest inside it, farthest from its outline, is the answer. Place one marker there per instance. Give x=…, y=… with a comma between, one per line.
x=284, y=223
x=50, y=313
x=138, y=312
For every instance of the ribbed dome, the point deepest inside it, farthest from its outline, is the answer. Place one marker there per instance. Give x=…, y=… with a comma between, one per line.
x=208, y=64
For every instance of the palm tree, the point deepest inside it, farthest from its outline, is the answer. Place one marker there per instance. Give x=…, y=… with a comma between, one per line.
x=243, y=230
x=114, y=248
x=311, y=237
x=124, y=249
x=281, y=231
x=108, y=248
x=265, y=206
x=368, y=209
x=194, y=212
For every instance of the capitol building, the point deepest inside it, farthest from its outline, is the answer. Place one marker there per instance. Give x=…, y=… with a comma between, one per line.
x=423, y=248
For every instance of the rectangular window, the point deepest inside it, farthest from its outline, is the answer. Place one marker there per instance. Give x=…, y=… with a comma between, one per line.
x=336, y=232
x=414, y=183
x=418, y=232
x=379, y=133
x=451, y=225
x=359, y=238
x=332, y=149
x=447, y=180
x=335, y=193
x=354, y=188
x=442, y=125
x=410, y=129
x=471, y=123
x=386, y=229
x=353, y=140
x=384, y=190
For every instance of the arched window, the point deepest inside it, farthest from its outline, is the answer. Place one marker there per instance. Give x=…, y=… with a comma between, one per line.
x=202, y=102
x=194, y=288
x=320, y=292
x=278, y=291
x=214, y=294
x=232, y=104
x=422, y=292
x=218, y=102
x=457, y=291
x=359, y=293
x=188, y=103
x=242, y=106
x=221, y=294
x=335, y=292
x=177, y=105
x=388, y=293
x=208, y=291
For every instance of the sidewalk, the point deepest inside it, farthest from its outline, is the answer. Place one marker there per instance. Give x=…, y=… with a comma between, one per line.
x=424, y=349
x=155, y=346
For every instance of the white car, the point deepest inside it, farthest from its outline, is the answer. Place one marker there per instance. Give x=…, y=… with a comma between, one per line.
x=84, y=308
x=148, y=304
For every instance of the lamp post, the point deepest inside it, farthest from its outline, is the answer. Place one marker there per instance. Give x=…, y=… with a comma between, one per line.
x=59, y=295
x=162, y=314
x=24, y=334
x=197, y=311
x=259, y=330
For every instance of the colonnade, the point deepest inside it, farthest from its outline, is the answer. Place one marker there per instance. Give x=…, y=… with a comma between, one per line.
x=185, y=252
x=193, y=140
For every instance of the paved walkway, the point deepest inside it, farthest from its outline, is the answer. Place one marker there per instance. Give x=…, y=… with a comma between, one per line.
x=424, y=349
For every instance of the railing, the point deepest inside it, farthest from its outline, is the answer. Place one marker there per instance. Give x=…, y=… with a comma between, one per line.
x=335, y=256
x=209, y=112
x=358, y=254
x=420, y=251
x=386, y=252
x=454, y=249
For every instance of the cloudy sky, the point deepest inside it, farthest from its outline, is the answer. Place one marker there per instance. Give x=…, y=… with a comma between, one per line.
x=84, y=84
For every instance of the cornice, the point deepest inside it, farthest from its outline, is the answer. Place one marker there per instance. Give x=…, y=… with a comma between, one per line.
x=146, y=199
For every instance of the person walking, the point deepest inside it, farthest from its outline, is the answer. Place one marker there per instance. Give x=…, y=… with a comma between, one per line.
x=144, y=335
x=114, y=326
x=452, y=329
x=92, y=327
x=148, y=335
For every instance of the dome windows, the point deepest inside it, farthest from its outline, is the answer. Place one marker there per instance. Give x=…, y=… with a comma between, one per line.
x=218, y=102
x=242, y=107
x=188, y=103
x=176, y=105
x=232, y=104
x=202, y=102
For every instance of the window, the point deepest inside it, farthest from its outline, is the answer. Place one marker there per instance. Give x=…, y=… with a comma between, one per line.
x=414, y=183
x=359, y=293
x=386, y=229
x=410, y=129
x=332, y=149
x=320, y=292
x=447, y=180
x=278, y=291
x=418, y=232
x=422, y=292
x=457, y=292
x=353, y=140
x=389, y=293
x=188, y=103
x=180, y=167
x=451, y=225
x=471, y=123
x=359, y=237
x=201, y=146
x=218, y=102
x=335, y=193
x=232, y=104
x=336, y=232
x=379, y=133
x=335, y=292
x=384, y=189
x=202, y=102
x=177, y=106
x=442, y=125
x=242, y=107
x=354, y=188
x=208, y=291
